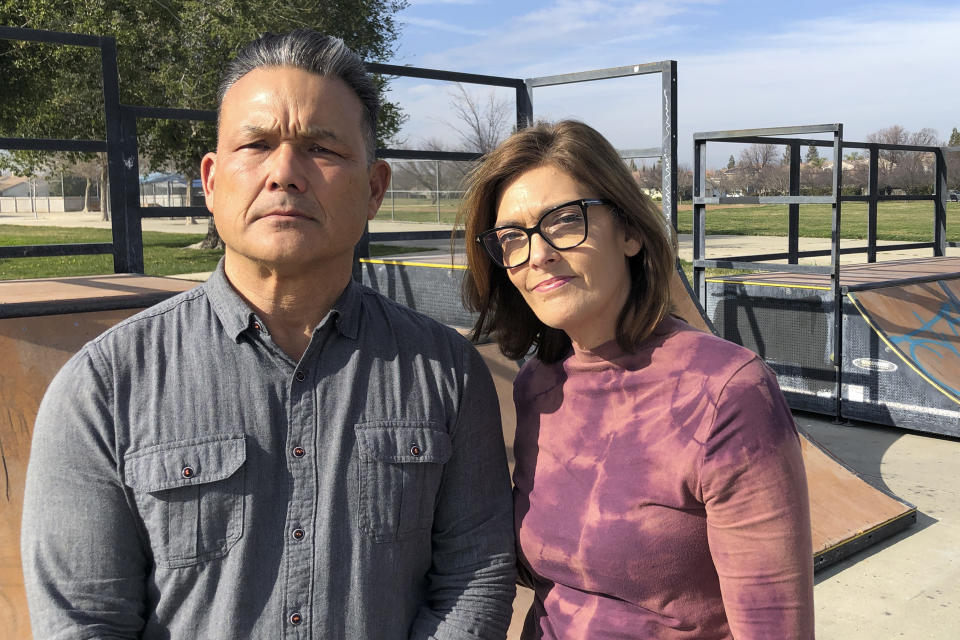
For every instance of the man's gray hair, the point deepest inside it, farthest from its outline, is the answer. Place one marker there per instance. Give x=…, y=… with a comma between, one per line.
x=316, y=53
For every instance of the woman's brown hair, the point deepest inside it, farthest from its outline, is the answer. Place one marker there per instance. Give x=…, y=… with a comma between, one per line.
x=586, y=156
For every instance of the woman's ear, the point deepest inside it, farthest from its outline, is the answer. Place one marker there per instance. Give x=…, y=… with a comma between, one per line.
x=631, y=245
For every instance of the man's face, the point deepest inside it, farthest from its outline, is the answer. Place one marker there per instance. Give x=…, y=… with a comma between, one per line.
x=289, y=186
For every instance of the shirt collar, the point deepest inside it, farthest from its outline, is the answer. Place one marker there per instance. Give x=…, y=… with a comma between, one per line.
x=237, y=317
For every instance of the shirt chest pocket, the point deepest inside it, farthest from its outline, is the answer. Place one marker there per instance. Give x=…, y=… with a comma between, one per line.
x=401, y=465
x=190, y=497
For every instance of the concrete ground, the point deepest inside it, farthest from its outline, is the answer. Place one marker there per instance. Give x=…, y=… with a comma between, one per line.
x=905, y=587
x=909, y=585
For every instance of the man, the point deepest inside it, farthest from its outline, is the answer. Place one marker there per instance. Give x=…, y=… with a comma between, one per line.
x=280, y=452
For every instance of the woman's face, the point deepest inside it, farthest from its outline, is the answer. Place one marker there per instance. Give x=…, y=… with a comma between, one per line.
x=581, y=290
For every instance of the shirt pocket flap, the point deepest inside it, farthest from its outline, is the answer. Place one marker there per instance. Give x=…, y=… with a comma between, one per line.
x=182, y=464
x=392, y=442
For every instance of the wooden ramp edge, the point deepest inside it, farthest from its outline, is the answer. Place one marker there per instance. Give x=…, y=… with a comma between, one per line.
x=847, y=513
x=42, y=324
x=921, y=324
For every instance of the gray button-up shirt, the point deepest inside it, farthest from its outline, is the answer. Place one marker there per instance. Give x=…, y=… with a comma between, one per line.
x=189, y=480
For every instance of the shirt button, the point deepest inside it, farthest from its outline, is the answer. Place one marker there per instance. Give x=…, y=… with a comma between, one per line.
x=296, y=618
x=416, y=450
x=300, y=376
x=299, y=452
x=298, y=534
x=187, y=472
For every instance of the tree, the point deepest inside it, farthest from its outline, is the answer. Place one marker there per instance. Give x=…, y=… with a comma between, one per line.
x=908, y=170
x=169, y=54
x=954, y=138
x=813, y=156
x=757, y=163
x=731, y=163
x=482, y=124
x=785, y=158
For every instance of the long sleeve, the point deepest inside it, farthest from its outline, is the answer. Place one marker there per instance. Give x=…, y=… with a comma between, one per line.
x=471, y=581
x=83, y=558
x=758, y=517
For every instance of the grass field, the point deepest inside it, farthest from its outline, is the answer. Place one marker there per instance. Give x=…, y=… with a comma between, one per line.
x=164, y=254
x=419, y=210
x=907, y=221
x=167, y=253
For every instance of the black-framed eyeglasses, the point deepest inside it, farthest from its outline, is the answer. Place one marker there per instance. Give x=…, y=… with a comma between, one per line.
x=562, y=227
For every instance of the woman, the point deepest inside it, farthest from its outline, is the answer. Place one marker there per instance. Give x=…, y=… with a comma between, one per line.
x=659, y=485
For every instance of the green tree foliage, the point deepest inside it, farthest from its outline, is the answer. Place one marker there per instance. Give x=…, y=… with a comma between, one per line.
x=170, y=54
x=731, y=163
x=954, y=138
x=813, y=155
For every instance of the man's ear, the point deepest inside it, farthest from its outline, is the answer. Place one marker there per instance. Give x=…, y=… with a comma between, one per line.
x=379, y=181
x=208, y=167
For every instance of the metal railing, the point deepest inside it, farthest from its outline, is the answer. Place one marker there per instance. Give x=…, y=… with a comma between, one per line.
x=761, y=262
x=121, y=145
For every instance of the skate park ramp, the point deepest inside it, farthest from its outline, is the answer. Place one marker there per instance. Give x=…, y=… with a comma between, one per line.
x=37, y=336
x=920, y=323
x=44, y=322
x=847, y=513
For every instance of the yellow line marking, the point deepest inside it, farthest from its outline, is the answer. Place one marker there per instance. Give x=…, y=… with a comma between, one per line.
x=865, y=533
x=769, y=284
x=900, y=353
x=402, y=263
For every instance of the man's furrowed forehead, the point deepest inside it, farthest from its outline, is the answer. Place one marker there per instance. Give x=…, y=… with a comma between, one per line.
x=291, y=102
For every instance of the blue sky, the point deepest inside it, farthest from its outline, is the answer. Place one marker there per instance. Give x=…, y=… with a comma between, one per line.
x=741, y=64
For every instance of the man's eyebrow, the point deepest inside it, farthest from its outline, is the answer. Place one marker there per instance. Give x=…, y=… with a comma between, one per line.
x=310, y=133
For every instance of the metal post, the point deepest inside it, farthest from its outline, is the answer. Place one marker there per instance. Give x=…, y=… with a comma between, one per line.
x=130, y=206
x=873, y=185
x=524, y=106
x=835, y=273
x=699, y=219
x=793, y=209
x=438, y=191
x=668, y=77
x=127, y=243
x=393, y=197
x=940, y=206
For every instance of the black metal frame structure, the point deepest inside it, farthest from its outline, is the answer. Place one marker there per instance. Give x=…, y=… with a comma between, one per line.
x=758, y=262
x=111, y=146
x=122, y=149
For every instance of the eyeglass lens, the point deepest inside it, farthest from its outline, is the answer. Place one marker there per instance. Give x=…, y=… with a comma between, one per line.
x=563, y=228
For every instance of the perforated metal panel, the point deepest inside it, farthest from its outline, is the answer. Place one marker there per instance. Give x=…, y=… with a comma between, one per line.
x=791, y=329
x=433, y=291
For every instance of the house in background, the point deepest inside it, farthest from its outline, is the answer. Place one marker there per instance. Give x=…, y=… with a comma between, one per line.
x=32, y=195
x=167, y=190
x=20, y=187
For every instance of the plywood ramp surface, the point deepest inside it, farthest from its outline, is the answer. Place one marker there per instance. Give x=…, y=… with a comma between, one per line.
x=32, y=350
x=921, y=324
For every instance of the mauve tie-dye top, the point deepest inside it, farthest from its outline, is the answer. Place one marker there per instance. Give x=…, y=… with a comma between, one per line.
x=661, y=494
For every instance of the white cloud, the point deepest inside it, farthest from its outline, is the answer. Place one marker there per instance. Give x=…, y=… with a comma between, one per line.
x=439, y=25
x=417, y=3
x=893, y=65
